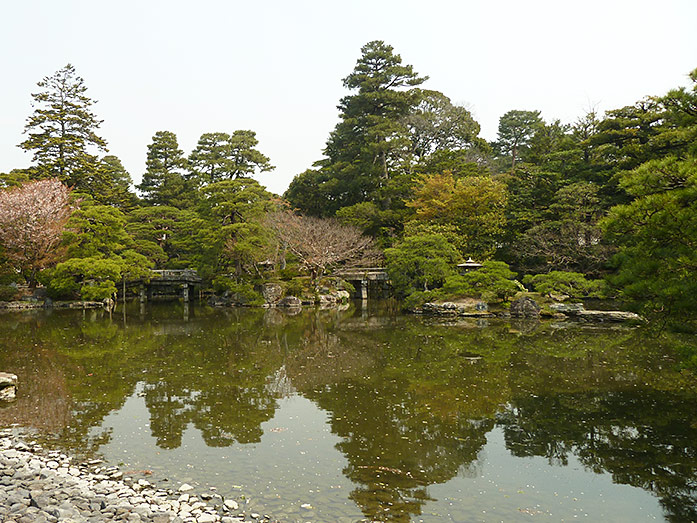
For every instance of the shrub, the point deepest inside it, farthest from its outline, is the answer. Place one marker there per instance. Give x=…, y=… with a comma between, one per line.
x=493, y=281
x=296, y=287
x=420, y=263
x=8, y=292
x=347, y=286
x=573, y=284
x=418, y=298
x=242, y=293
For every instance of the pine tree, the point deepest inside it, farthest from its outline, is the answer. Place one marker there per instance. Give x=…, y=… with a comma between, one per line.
x=62, y=130
x=221, y=156
x=163, y=182
x=365, y=147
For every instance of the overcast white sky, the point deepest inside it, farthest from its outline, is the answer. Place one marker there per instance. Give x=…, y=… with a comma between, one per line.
x=275, y=66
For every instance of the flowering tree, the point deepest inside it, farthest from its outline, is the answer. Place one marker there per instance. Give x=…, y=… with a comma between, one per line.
x=32, y=220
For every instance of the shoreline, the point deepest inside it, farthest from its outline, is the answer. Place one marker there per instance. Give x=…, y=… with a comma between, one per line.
x=43, y=485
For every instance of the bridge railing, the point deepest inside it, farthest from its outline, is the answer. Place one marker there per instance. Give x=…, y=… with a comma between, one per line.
x=176, y=274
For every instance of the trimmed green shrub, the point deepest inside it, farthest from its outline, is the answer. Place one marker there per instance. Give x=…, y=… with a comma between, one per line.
x=572, y=284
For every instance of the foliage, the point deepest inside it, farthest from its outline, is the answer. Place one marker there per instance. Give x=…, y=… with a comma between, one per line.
x=420, y=262
x=62, y=131
x=241, y=293
x=96, y=230
x=494, y=280
x=113, y=186
x=657, y=237
x=169, y=236
x=365, y=149
x=418, y=298
x=163, y=181
x=436, y=124
x=32, y=219
x=570, y=238
x=296, y=287
x=474, y=206
x=516, y=128
x=572, y=284
x=221, y=156
x=95, y=277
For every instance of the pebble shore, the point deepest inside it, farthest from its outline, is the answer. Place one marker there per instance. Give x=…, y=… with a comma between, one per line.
x=38, y=485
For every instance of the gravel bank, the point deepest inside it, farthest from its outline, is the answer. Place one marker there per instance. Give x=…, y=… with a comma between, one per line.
x=39, y=486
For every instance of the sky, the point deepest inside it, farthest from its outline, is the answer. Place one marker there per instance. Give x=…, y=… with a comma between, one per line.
x=275, y=66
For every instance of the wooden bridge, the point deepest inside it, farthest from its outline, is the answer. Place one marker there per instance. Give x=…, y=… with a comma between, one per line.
x=364, y=278
x=169, y=282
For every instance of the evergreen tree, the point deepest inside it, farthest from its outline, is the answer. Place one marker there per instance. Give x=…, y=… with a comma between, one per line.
x=62, y=131
x=116, y=189
x=163, y=182
x=516, y=128
x=221, y=156
x=365, y=149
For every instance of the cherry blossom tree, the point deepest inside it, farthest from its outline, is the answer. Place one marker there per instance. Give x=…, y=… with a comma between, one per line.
x=32, y=219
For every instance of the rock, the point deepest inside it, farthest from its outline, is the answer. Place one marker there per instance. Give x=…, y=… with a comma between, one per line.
x=608, y=316
x=185, y=487
x=568, y=308
x=271, y=292
x=8, y=386
x=290, y=301
x=558, y=297
x=327, y=299
x=525, y=307
x=40, y=486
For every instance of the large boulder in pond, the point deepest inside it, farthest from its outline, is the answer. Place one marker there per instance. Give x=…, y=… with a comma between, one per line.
x=568, y=308
x=271, y=292
x=8, y=386
x=525, y=307
x=608, y=316
x=290, y=301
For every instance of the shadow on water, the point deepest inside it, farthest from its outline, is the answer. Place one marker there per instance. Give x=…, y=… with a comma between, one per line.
x=411, y=402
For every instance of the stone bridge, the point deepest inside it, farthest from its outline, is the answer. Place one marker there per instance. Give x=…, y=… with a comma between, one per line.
x=365, y=278
x=169, y=282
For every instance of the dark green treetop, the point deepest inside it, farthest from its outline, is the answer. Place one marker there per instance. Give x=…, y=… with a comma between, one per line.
x=516, y=128
x=221, y=156
x=62, y=131
x=163, y=182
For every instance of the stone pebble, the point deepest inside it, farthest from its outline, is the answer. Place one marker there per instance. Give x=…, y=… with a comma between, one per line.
x=40, y=486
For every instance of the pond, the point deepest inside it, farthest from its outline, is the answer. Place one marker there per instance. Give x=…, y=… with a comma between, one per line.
x=367, y=414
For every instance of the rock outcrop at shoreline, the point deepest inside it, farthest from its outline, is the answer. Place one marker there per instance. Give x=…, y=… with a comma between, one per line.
x=48, y=304
x=39, y=486
x=526, y=307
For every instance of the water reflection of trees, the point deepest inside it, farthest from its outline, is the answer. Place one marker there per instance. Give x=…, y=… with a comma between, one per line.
x=646, y=439
x=416, y=417
x=411, y=399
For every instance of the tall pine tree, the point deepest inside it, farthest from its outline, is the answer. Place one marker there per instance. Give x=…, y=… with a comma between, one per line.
x=62, y=131
x=163, y=181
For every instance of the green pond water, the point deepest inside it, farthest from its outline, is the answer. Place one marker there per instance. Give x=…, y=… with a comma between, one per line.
x=367, y=415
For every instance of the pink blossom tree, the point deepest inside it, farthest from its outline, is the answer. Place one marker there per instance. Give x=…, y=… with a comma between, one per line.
x=32, y=219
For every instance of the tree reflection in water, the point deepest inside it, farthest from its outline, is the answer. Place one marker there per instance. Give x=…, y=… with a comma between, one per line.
x=411, y=400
